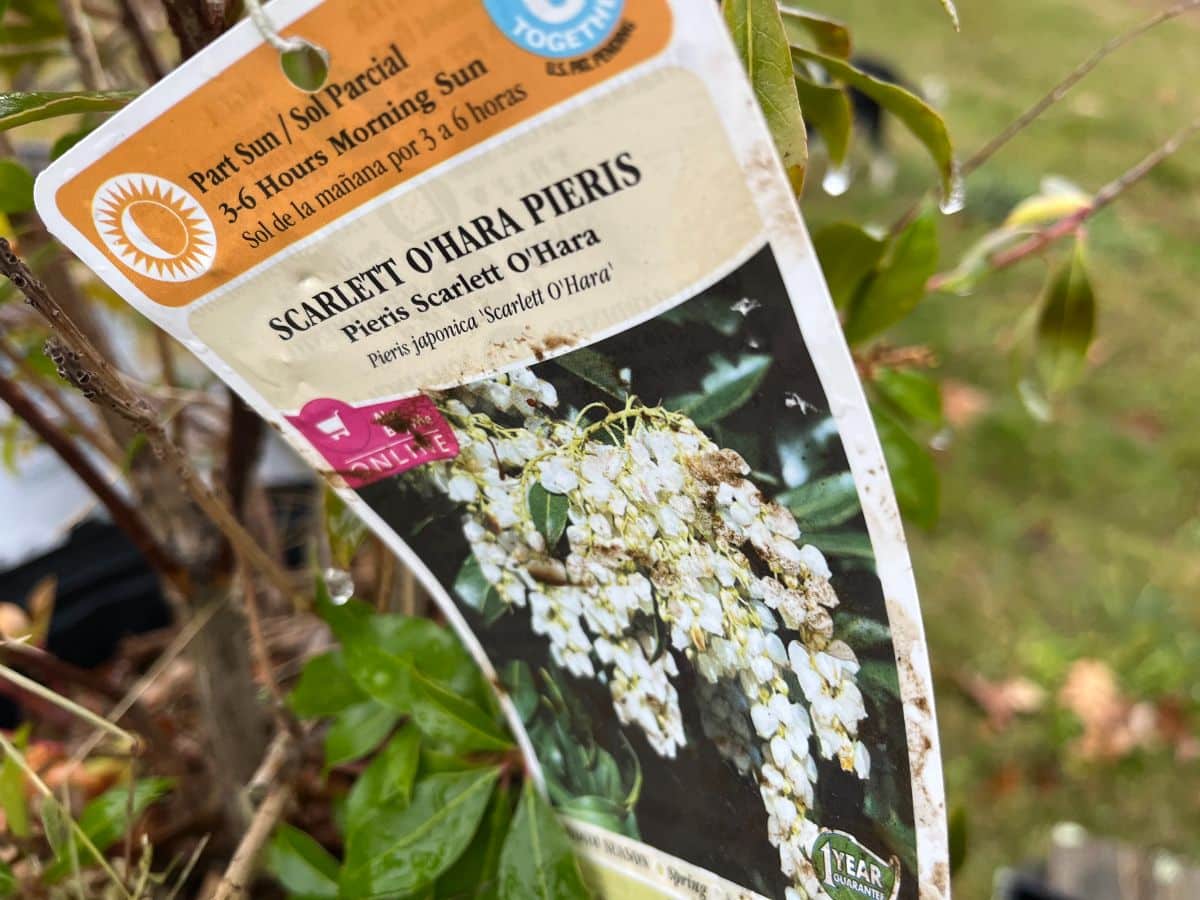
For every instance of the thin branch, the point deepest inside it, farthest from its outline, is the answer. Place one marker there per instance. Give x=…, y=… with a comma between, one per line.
x=82, y=365
x=83, y=45
x=28, y=684
x=123, y=514
x=1069, y=225
x=133, y=19
x=272, y=784
x=988, y=150
x=101, y=440
x=259, y=647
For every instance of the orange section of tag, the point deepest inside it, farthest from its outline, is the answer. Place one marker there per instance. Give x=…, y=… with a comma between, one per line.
x=247, y=164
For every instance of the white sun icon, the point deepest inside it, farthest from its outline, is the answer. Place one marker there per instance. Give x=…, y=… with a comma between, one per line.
x=155, y=227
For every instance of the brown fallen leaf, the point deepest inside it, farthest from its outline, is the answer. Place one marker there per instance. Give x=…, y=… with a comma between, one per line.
x=1002, y=701
x=1113, y=725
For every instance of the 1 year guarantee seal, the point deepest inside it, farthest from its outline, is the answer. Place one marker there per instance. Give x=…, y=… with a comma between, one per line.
x=557, y=29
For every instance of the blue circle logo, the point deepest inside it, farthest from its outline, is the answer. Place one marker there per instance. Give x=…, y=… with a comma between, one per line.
x=557, y=29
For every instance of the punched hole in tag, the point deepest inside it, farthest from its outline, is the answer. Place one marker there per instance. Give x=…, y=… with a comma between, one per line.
x=304, y=64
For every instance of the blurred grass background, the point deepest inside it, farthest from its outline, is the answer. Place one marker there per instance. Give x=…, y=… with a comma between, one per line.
x=1079, y=538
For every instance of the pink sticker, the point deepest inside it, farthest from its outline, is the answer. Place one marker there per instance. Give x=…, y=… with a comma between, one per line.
x=364, y=444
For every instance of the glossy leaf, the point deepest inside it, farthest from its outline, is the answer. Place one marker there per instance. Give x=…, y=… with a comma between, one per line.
x=404, y=850
x=856, y=544
x=344, y=529
x=23, y=107
x=538, y=862
x=860, y=632
x=108, y=817
x=357, y=730
x=475, y=876
x=548, y=512
x=475, y=591
x=879, y=679
x=830, y=35
x=827, y=107
x=16, y=187
x=762, y=43
x=302, y=865
x=518, y=681
x=822, y=503
x=1066, y=323
x=325, y=687
x=848, y=255
x=380, y=653
x=913, y=393
x=596, y=369
x=925, y=123
x=13, y=800
x=898, y=286
x=914, y=476
x=726, y=388
x=387, y=781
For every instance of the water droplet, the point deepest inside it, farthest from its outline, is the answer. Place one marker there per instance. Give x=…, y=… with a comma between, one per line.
x=753, y=343
x=339, y=584
x=954, y=199
x=792, y=400
x=837, y=180
x=745, y=306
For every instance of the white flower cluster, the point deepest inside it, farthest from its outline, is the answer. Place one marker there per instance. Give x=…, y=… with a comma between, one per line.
x=668, y=549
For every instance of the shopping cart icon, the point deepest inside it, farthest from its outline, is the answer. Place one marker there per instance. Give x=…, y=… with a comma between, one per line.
x=333, y=427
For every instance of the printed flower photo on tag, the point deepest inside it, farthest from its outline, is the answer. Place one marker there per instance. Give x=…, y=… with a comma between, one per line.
x=663, y=553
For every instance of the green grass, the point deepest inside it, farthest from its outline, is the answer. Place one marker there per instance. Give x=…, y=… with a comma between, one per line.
x=1051, y=534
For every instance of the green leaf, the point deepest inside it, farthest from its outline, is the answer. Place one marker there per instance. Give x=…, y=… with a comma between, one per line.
x=861, y=632
x=726, y=388
x=762, y=43
x=827, y=106
x=820, y=504
x=107, y=818
x=596, y=369
x=302, y=865
x=548, y=511
x=23, y=107
x=66, y=141
x=848, y=256
x=914, y=476
x=475, y=875
x=405, y=850
x=518, y=681
x=856, y=544
x=59, y=835
x=596, y=810
x=8, y=881
x=12, y=787
x=899, y=283
x=325, y=687
x=357, y=730
x=381, y=659
x=959, y=834
x=16, y=187
x=912, y=393
x=344, y=529
x=538, y=862
x=879, y=679
x=926, y=125
x=387, y=781
x=830, y=35
x=471, y=586
x=1066, y=323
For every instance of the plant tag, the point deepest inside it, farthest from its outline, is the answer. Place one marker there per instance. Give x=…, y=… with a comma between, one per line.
x=525, y=281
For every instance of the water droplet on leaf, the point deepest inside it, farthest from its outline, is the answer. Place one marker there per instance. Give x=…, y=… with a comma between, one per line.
x=339, y=584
